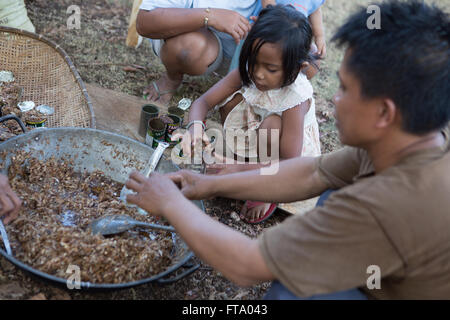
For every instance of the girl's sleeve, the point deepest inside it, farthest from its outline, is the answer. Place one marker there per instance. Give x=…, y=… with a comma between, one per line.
x=297, y=93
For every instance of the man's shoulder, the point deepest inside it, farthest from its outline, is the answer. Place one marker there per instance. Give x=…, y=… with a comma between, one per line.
x=414, y=185
x=341, y=167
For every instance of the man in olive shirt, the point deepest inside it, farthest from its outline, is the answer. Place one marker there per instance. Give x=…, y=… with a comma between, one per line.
x=390, y=216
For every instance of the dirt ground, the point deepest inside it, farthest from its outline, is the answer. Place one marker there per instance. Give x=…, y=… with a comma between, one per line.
x=98, y=51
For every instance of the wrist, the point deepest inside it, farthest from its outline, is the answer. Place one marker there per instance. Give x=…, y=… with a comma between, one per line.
x=211, y=186
x=175, y=205
x=319, y=36
x=207, y=17
x=193, y=122
x=210, y=17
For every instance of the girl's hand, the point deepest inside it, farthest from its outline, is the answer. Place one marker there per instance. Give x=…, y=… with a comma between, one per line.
x=321, y=46
x=230, y=22
x=153, y=194
x=195, y=136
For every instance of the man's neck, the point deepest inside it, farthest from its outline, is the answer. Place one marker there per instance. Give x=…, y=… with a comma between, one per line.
x=389, y=151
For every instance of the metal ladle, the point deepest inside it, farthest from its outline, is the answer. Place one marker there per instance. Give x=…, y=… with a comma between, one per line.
x=118, y=223
x=152, y=163
x=5, y=238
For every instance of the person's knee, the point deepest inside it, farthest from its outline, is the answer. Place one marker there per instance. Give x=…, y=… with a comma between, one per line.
x=190, y=52
x=229, y=106
x=191, y=49
x=271, y=126
x=270, y=131
x=272, y=122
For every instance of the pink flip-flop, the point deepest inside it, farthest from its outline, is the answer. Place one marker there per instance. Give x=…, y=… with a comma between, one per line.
x=267, y=215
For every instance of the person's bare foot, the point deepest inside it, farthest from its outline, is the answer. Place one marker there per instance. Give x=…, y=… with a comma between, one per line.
x=162, y=90
x=254, y=213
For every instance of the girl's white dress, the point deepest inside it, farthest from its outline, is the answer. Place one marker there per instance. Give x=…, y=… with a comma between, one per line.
x=256, y=105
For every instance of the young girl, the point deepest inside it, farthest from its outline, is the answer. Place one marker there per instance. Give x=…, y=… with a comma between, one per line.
x=268, y=92
x=312, y=10
x=309, y=8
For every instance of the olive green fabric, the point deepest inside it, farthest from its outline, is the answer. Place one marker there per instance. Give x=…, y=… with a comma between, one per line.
x=397, y=220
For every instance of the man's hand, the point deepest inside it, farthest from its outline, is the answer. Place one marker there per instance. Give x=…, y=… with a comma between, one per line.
x=10, y=204
x=230, y=22
x=193, y=186
x=153, y=194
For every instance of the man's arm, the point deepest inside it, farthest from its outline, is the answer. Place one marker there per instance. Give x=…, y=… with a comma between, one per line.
x=230, y=252
x=286, y=181
x=164, y=23
x=235, y=255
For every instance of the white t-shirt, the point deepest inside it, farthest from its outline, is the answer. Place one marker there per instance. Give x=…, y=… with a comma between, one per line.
x=244, y=7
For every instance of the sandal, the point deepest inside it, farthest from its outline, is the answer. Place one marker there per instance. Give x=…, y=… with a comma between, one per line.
x=160, y=93
x=267, y=215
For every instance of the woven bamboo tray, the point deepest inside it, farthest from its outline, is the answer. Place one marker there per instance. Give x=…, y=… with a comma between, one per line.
x=47, y=75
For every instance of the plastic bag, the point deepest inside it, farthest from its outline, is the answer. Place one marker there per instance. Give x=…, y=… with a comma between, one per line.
x=13, y=13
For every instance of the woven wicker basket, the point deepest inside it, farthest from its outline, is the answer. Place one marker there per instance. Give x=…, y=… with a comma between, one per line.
x=47, y=76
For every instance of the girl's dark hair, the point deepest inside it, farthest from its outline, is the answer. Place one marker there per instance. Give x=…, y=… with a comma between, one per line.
x=284, y=25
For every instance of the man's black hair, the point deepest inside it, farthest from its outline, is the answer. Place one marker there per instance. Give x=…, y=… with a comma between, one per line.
x=407, y=60
x=282, y=25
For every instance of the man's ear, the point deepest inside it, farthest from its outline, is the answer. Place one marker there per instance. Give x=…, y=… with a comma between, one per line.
x=387, y=113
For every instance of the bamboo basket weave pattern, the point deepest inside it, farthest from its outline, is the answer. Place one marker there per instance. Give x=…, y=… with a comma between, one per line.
x=47, y=76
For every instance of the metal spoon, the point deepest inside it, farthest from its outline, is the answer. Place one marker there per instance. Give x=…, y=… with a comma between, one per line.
x=152, y=163
x=5, y=238
x=118, y=223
